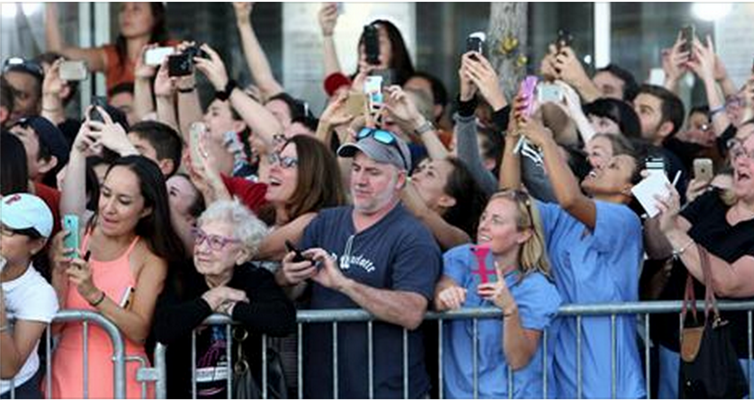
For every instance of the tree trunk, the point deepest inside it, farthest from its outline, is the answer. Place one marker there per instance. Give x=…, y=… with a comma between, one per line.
x=508, y=20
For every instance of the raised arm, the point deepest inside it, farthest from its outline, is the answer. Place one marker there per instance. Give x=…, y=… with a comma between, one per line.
x=571, y=71
x=703, y=65
x=328, y=17
x=165, y=93
x=564, y=183
x=447, y=235
x=674, y=62
x=52, y=105
x=95, y=57
x=255, y=55
x=260, y=120
x=143, y=75
x=404, y=111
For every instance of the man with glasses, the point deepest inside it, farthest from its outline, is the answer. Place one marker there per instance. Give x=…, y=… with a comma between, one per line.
x=25, y=78
x=27, y=302
x=372, y=255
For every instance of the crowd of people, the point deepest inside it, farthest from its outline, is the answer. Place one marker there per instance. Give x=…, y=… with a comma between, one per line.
x=157, y=212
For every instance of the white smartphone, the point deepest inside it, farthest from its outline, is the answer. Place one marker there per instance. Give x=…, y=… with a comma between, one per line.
x=373, y=90
x=127, y=298
x=73, y=71
x=154, y=57
x=549, y=93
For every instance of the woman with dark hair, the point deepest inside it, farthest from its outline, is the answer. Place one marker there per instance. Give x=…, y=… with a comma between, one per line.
x=14, y=172
x=140, y=24
x=613, y=116
x=447, y=199
x=393, y=52
x=114, y=272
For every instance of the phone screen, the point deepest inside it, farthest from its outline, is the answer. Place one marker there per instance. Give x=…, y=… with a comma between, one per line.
x=371, y=44
x=71, y=224
x=687, y=33
x=299, y=257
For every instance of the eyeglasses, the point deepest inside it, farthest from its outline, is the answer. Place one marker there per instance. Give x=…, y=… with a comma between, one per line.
x=384, y=137
x=21, y=64
x=284, y=162
x=215, y=242
x=737, y=150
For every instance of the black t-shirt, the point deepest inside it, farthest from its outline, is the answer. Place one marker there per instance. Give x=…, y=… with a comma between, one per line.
x=710, y=229
x=180, y=309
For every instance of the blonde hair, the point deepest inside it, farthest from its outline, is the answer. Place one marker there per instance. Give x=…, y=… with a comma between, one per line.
x=533, y=253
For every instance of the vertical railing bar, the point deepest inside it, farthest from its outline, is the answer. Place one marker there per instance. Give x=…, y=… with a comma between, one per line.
x=12, y=387
x=193, y=364
x=613, y=357
x=475, y=357
x=510, y=382
x=86, y=359
x=300, y=360
x=335, y=359
x=48, y=362
x=648, y=367
x=142, y=364
x=229, y=357
x=370, y=355
x=544, y=363
x=264, y=366
x=578, y=356
x=439, y=357
x=748, y=363
x=405, y=363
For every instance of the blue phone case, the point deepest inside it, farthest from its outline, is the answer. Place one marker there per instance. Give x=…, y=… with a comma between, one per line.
x=71, y=224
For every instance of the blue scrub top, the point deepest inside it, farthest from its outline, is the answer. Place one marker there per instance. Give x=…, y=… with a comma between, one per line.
x=596, y=267
x=538, y=303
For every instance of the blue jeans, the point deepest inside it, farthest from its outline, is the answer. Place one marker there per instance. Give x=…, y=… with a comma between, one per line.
x=670, y=363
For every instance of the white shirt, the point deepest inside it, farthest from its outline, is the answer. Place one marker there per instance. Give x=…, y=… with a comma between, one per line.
x=30, y=298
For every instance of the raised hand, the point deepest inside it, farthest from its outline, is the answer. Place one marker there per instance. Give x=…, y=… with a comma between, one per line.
x=328, y=18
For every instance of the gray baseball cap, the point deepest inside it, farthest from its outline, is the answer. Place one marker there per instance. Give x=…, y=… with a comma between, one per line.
x=391, y=151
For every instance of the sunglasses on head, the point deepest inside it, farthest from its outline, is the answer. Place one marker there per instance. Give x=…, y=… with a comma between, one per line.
x=384, y=137
x=21, y=64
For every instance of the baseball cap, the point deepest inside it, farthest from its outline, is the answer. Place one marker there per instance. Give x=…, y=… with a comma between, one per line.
x=19, y=64
x=381, y=146
x=49, y=135
x=25, y=211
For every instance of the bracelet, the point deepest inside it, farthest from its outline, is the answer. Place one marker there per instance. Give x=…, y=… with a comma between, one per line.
x=715, y=111
x=677, y=253
x=98, y=301
x=187, y=90
x=51, y=109
x=4, y=328
x=224, y=95
x=425, y=127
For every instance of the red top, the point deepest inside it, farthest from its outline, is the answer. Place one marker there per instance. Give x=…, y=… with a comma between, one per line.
x=117, y=72
x=250, y=193
x=51, y=197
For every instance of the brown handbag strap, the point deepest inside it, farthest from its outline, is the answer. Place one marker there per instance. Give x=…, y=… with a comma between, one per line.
x=709, y=292
x=689, y=300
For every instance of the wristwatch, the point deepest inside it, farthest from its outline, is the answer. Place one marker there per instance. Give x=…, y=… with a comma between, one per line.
x=224, y=94
x=425, y=127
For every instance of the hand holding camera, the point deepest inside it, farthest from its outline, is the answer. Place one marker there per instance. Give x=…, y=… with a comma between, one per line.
x=328, y=18
x=52, y=84
x=484, y=77
x=703, y=60
x=182, y=64
x=212, y=67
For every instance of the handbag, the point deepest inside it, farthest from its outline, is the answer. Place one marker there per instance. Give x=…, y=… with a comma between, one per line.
x=709, y=365
x=247, y=385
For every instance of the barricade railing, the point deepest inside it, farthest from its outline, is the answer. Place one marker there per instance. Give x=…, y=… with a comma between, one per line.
x=612, y=310
x=85, y=317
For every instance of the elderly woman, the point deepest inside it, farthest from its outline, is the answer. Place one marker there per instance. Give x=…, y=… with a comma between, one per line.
x=227, y=235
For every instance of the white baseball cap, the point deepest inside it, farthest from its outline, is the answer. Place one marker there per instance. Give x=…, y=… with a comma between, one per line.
x=26, y=211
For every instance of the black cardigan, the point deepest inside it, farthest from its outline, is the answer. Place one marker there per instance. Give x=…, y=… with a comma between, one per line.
x=181, y=308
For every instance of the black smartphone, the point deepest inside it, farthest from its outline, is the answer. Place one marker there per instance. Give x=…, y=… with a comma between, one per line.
x=687, y=34
x=475, y=42
x=299, y=257
x=564, y=39
x=371, y=44
x=94, y=114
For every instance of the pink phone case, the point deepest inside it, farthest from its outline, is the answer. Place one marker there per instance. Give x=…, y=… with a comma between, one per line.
x=527, y=89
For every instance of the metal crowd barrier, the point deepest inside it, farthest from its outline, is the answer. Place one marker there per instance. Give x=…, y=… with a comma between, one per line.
x=334, y=317
x=119, y=359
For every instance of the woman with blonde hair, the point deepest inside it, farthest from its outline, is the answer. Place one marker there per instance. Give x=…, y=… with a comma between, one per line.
x=508, y=269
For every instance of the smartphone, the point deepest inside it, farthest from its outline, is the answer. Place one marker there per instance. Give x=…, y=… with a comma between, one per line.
x=475, y=42
x=549, y=93
x=196, y=131
x=688, y=33
x=655, y=165
x=299, y=257
x=73, y=71
x=564, y=39
x=373, y=91
x=528, y=86
x=355, y=103
x=125, y=300
x=180, y=65
x=703, y=169
x=71, y=224
x=371, y=44
x=155, y=56
x=341, y=8
x=94, y=114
